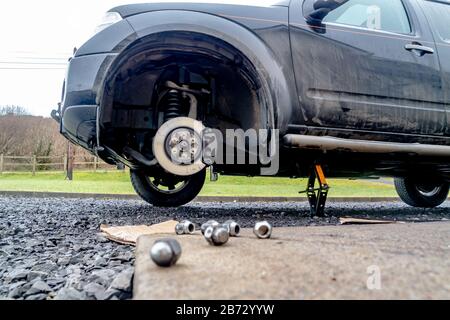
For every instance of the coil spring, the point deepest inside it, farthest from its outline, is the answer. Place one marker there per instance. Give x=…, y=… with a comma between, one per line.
x=174, y=107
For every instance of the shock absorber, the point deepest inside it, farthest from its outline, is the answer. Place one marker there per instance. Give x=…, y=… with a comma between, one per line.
x=174, y=108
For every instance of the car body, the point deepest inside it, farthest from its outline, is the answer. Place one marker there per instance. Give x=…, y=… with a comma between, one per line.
x=360, y=86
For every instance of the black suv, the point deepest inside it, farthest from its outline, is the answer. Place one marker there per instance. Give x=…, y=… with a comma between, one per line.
x=358, y=88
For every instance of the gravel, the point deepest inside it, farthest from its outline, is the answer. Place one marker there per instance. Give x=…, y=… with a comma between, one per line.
x=52, y=249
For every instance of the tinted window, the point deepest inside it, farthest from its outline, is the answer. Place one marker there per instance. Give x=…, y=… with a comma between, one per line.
x=440, y=16
x=384, y=15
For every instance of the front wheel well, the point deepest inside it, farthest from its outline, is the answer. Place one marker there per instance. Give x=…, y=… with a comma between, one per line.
x=239, y=97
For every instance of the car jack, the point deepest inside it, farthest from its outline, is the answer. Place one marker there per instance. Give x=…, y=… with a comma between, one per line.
x=317, y=197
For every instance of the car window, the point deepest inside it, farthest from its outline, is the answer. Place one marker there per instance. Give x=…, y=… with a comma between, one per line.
x=383, y=15
x=439, y=13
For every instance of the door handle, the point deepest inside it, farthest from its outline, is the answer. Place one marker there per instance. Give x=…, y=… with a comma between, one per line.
x=419, y=49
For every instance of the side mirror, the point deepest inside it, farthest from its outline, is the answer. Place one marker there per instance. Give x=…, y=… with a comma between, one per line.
x=319, y=9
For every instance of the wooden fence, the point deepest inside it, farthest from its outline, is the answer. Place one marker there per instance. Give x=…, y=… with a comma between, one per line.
x=35, y=164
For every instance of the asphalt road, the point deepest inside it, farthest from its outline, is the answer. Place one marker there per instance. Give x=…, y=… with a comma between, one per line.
x=51, y=248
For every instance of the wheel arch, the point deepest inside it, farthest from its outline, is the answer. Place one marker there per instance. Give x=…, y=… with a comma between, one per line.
x=149, y=26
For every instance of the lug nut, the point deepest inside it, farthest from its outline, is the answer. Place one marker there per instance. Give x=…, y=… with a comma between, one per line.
x=233, y=228
x=185, y=227
x=263, y=230
x=217, y=236
x=165, y=252
x=207, y=224
x=173, y=141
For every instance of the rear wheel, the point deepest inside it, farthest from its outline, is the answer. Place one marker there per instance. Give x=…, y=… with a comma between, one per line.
x=166, y=190
x=422, y=194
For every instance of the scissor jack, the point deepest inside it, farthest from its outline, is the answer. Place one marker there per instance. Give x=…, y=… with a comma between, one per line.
x=317, y=197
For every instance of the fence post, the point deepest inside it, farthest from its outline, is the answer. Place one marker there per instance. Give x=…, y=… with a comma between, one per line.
x=95, y=164
x=1, y=163
x=34, y=164
x=65, y=163
x=70, y=161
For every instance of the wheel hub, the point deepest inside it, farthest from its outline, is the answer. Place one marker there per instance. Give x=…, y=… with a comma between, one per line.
x=183, y=146
x=177, y=146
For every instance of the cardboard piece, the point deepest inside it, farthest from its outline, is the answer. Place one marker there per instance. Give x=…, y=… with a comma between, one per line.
x=129, y=234
x=348, y=221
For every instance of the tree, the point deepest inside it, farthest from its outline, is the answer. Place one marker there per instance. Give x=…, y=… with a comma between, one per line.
x=12, y=110
x=26, y=135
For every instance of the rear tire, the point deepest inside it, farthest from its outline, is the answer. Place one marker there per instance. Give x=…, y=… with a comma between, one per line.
x=421, y=194
x=167, y=190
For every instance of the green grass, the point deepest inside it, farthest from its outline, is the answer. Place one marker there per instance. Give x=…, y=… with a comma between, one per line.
x=119, y=183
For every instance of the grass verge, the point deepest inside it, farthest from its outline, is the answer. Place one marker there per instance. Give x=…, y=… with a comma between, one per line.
x=119, y=183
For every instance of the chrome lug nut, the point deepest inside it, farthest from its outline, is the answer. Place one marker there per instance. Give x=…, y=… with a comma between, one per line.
x=185, y=227
x=166, y=252
x=233, y=228
x=207, y=224
x=263, y=230
x=217, y=236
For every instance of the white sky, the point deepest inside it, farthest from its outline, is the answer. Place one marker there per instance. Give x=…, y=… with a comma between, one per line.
x=41, y=34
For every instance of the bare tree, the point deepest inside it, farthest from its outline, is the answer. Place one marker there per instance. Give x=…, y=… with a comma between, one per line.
x=13, y=110
x=25, y=135
x=10, y=134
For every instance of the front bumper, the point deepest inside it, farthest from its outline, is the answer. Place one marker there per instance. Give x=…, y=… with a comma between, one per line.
x=79, y=109
x=79, y=124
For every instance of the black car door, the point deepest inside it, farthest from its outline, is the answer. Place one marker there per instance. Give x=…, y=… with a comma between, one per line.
x=370, y=67
x=438, y=13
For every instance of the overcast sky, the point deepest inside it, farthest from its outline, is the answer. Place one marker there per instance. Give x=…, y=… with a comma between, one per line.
x=37, y=38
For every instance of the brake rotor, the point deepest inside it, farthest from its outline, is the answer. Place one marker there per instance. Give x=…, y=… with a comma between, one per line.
x=177, y=146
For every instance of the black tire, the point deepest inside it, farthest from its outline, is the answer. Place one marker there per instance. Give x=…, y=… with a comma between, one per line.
x=421, y=194
x=145, y=188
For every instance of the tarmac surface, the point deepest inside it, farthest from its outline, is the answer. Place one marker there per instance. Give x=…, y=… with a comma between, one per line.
x=50, y=248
